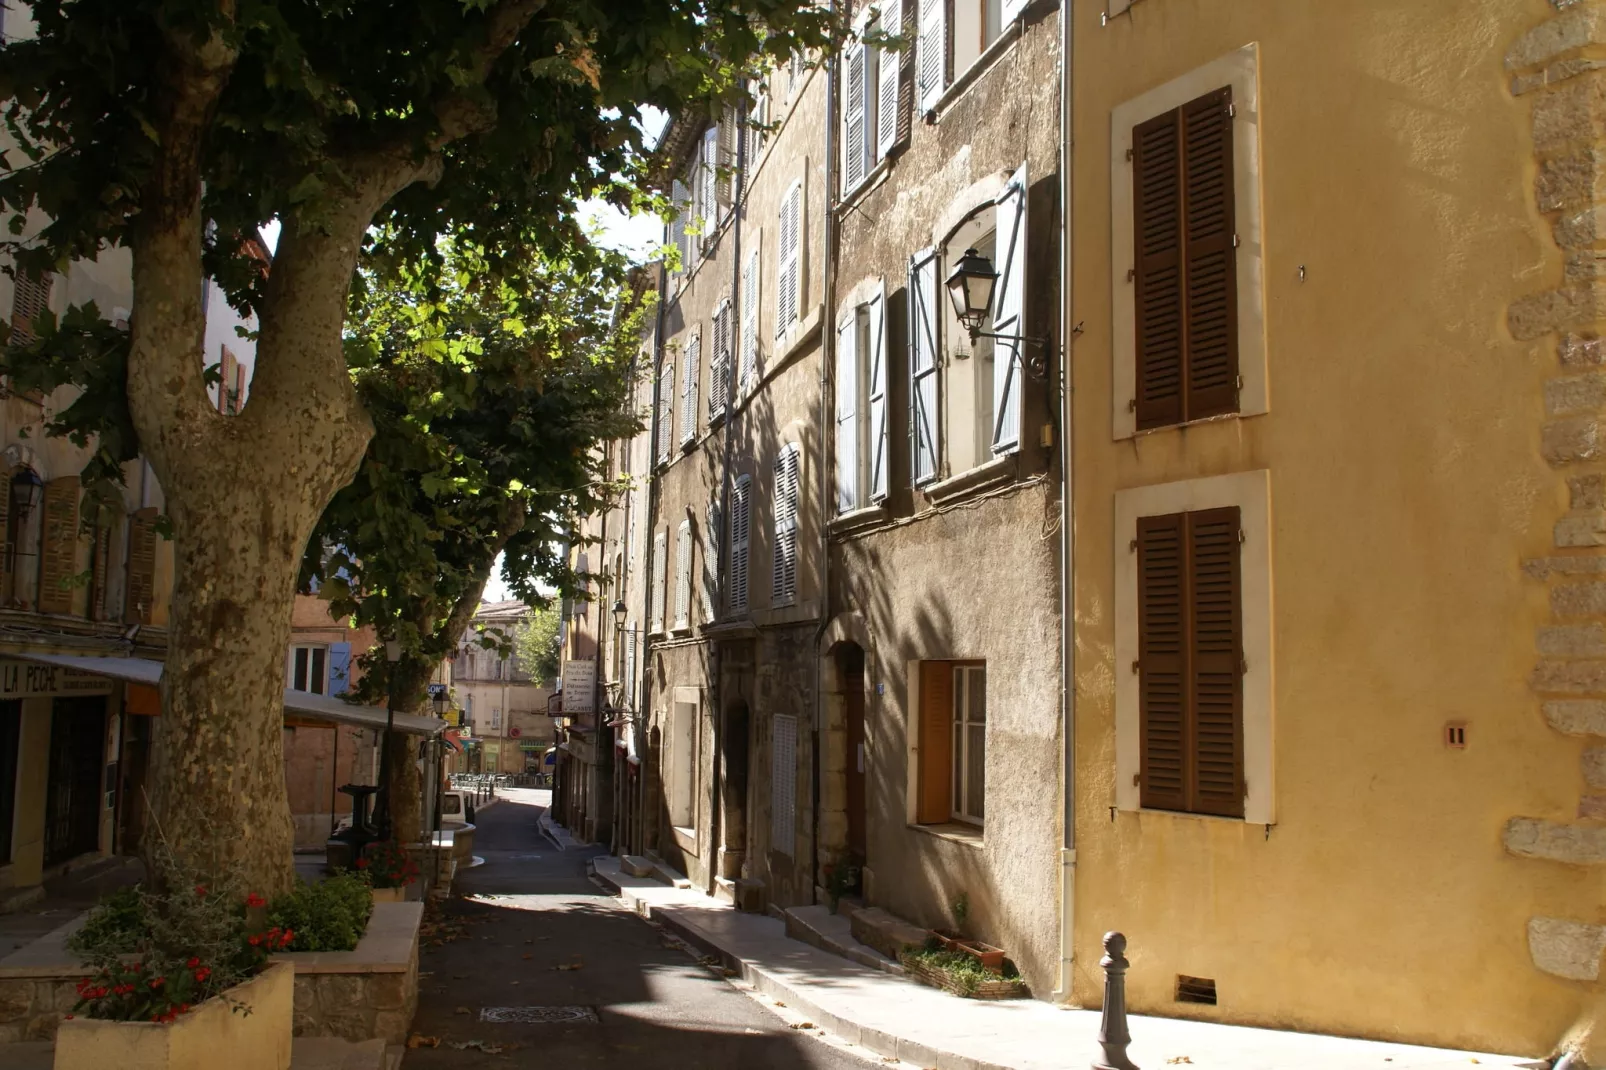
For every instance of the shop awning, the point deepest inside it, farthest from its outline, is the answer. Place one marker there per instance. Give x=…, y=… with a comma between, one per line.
x=303, y=703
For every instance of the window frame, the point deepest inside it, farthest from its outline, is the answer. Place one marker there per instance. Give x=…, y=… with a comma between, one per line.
x=1238, y=70
x=316, y=653
x=864, y=313
x=1250, y=492
x=959, y=799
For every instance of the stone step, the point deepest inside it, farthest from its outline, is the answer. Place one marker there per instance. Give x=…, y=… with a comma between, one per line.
x=306, y=1053
x=816, y=925
x=884, y=932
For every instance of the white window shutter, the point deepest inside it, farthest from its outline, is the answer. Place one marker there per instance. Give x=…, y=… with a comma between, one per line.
x=666, y=411
x=923, y=338
x=876, y=358
x=679, y=197
x=660, y=552
x=711, y=532
x=1011, y=11
x=1009, y=313
x=854, y=114
x=630, y=664
x=783, y=586
x=933, y=53
x=787, y=277
x=725, y=180
x=708, y=186
x=749, y=295
x=886, y=94
x=683, y=575
x=783, y=784
x=741, y=514
x=691, y=366
x=847, y=412
x=719, y=367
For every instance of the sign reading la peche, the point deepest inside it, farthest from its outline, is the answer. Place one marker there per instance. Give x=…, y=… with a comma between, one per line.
x=22, y=679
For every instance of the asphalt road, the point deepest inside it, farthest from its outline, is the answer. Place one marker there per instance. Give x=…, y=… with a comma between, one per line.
x=529, y=933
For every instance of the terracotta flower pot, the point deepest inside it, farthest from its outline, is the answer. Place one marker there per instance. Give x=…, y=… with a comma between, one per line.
x=212, y=1034
x=990, y=957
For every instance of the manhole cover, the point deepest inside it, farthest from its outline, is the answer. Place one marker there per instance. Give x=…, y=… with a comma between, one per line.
x=540, y=1015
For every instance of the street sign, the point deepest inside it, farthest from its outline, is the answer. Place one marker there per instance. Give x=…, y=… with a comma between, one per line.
x=580, y=686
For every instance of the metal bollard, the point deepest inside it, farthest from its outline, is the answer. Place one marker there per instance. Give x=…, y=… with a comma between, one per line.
x=1113, y=1035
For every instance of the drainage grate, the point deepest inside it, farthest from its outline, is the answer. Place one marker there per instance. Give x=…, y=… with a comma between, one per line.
x=1196, y=990
x=541, y=1015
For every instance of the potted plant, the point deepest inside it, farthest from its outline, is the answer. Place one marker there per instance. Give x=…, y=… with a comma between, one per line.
x=180, y=977
x=991, y=958
x=389, y=869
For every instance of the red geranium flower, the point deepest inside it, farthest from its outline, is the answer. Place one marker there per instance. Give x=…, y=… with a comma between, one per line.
x=200, y=889
x=255, y=900
x=255, y=941
x=194, y=962
x=362, y=863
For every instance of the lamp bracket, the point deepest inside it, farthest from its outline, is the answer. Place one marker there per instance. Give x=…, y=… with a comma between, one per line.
x=1036, y=366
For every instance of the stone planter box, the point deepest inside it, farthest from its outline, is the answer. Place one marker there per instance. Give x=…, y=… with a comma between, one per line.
x=211, y=1035
x=389, y=895
x=993, y=988
x=990, y=957
x=367, y=993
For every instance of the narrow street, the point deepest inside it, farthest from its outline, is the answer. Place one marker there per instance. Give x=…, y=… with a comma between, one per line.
x=537, y=937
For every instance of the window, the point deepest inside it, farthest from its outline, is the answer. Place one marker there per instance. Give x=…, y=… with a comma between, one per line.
x=740, y=535
x=749, y=295
x=683, y=575
x=948, y=48
x=710, y=584
x=680, y=237
x=1186, y=271
x=758, y=116
x=861, y=404
x=29, y=297
x=719, y=367
x=876, y=86
x=965, y=396
x=708, y=185
x=783, y=784
x=951, y=743
x=1193, y=619
x=309, y=669
x=666, y=411
x=789, y=275
x=690, y=367
x=783, y=585
x=683, y=761
x=660, y=552
x=58, y=545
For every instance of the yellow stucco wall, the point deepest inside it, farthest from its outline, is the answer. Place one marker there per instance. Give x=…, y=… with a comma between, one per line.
x=1406, y=488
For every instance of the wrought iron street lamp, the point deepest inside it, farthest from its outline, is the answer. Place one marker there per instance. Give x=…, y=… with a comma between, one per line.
x=441, y=701
x=971, y=286
x=620, y=612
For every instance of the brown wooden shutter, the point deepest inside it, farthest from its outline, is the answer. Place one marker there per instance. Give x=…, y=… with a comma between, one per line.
x=1185, y=263
x=29, y=297
x=7, y=550
x=935, y=803
x=1162, y=661
x=141, y=568
x=1216, y=663
x=58, y=550
x=1211, y=271
x=100, y=568
x=1157, y=249
x=906, y=70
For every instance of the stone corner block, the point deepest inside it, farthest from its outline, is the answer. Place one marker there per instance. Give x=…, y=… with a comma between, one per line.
x=1565, y=948
x=1568, y=395
x=1532, y=837
x=1577, y=717
x=1572, y=640
x=1586, y=492
x=1572, y=440
x=1577, y=677
x=1588, y=529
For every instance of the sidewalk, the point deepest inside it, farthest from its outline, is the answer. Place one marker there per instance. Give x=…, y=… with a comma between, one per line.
x=928, y=1028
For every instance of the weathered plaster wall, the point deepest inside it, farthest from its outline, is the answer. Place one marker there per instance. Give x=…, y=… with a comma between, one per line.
x=1407, y=482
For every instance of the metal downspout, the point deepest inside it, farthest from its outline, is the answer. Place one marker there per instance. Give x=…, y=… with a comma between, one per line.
x=643, y=650
x=1067, y=544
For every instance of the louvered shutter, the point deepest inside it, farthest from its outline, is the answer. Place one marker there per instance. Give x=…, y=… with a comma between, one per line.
x=854, y=113
x=339, y=668
x=759, y=117
x=708, y=182
x=140, y=606
x=749, y=295
x=29, y=298
x=691, y=366
x=711, y=532
x=666, y=412
x=630, y=664
x=1011, y=11
x=923, y=298
x=1162, y=661
x=7, y=549
x=889, y=65
x=1208, y=243
x=934, y=801
x=683, y=575
x=908, y=68
x=1009, y=313
x=719, y=367
x=741, y=510
x=1215, y=669
x=847, y=413
x=1185, y=269
x=660, y=554
x=877, y=360
x=788, y=274
x=58, y=552
x=99, y=568
x=725, y=179
x=933, y=52
x=783, y=586
x=1157, y=250
x=680, y=198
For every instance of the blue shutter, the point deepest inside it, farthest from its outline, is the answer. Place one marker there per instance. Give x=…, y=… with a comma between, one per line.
x=339, y=667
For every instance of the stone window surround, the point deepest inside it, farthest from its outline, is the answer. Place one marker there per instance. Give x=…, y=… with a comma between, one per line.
x=1241, y=70
x=971, y=835
x=1251, y=493
x=686, y=835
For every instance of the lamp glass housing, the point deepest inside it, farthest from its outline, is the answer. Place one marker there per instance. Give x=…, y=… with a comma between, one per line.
x=619, y=613
x=26, y=489
x=970, y=288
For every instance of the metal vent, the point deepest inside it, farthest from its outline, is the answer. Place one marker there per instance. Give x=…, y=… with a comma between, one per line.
x=1196, y=990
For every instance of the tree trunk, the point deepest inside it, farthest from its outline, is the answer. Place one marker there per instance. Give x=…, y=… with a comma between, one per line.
x=409, y=687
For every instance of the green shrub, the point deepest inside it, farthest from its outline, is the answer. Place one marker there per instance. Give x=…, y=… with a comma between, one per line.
x=965, y=970
x=117, y=925
x=331, y=915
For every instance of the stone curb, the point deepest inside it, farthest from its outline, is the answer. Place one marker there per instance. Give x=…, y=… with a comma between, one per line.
x=878, y=1041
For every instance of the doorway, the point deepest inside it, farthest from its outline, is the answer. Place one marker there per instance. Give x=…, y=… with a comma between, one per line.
x=852, y=665
x=73, y=799
x=733, y=790
x=10, y=748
